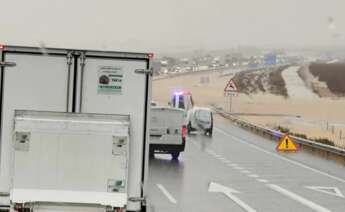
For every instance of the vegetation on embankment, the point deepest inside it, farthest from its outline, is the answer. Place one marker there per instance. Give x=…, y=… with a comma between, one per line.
x=264, y=81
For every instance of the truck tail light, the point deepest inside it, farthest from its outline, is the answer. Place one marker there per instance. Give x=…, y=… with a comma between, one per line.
x=184, y=131
x=2, y=46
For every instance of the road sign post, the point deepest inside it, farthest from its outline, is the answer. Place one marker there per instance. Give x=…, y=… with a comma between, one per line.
x=230, y=90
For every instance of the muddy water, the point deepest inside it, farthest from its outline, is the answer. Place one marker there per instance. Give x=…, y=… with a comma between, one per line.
x=295, y=85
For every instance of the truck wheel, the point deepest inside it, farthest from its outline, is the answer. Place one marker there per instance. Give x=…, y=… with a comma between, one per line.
x=175, y=155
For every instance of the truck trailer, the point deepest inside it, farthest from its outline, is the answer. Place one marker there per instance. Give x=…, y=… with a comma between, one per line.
x=45, y=89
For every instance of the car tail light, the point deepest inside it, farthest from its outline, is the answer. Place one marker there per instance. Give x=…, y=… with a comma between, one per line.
x=184, y=131
x=2, y=46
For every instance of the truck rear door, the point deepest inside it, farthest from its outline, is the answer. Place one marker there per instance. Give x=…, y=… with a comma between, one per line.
x=35, y=83
x=126, y=93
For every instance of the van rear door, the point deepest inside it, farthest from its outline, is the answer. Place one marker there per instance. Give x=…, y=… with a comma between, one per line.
x=166, y=125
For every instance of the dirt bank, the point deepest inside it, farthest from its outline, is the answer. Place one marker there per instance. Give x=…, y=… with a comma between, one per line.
x=333, y=75
x=263, y=81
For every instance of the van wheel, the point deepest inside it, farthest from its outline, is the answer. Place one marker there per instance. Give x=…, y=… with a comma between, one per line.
x=208, y=132
x=189, y=128
x=151, y=154
x=175, y=155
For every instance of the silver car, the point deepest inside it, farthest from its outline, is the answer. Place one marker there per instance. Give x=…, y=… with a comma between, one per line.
x=200, y=119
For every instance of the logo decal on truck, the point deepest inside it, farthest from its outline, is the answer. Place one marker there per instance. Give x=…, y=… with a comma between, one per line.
x=110, y=80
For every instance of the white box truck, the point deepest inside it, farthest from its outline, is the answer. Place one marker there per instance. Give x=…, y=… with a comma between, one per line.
x=73, y=81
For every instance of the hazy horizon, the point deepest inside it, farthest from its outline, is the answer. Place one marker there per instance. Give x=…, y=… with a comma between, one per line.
x=172, y=26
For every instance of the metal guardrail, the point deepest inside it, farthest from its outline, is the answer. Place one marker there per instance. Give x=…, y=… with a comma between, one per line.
x=275, y=133
x=170, y=75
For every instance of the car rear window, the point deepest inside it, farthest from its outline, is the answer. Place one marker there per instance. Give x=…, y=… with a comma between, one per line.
x=203, y=115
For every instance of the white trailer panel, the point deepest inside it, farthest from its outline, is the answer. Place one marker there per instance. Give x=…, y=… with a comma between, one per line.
x=70, y=158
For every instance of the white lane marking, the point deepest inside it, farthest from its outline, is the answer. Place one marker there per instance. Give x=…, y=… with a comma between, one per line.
x=238, y=168
x=283, y=158
x=224, y=160
x=245, y=172
x=253, y=175
x=262, y=180
x=298, y=198
x=166, y=193
x=218, y=188
x=327, y=190
x=227, y=161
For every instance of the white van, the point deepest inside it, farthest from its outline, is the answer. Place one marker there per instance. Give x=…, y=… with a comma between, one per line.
x=182, y=100
x=167, y=131
x=200, y=119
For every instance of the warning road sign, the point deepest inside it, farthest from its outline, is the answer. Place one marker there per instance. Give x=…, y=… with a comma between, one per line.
x=286, y=144
x=230, y=86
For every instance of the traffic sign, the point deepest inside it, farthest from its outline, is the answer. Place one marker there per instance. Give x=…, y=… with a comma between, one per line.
x=230, y=86
x=230, y=93
x=286, y=144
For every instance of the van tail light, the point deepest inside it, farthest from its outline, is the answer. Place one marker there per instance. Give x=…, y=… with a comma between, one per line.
x=184, y=131
x=18, y=206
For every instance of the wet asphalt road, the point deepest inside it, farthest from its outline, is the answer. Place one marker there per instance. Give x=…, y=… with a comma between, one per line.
x=259, y=178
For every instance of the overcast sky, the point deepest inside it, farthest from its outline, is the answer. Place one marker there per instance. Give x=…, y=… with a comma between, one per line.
x=172, y=25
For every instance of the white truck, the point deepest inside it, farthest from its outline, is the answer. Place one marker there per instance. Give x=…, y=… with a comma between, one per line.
x=167, y=132
x=66, y=170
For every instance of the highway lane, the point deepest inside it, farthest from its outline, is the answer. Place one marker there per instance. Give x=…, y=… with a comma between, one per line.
x=244, y=162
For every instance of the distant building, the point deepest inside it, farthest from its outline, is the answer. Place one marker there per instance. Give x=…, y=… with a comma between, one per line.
x=270, y=59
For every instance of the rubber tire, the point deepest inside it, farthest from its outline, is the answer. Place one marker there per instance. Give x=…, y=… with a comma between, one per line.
x=210, y=131
x=175, y=155
x=189, y=128
x=151, y=154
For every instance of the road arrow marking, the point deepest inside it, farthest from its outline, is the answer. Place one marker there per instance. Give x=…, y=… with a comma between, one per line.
x=327, y=190
x=298, y=198
x=166, y=193
x=218, y=188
